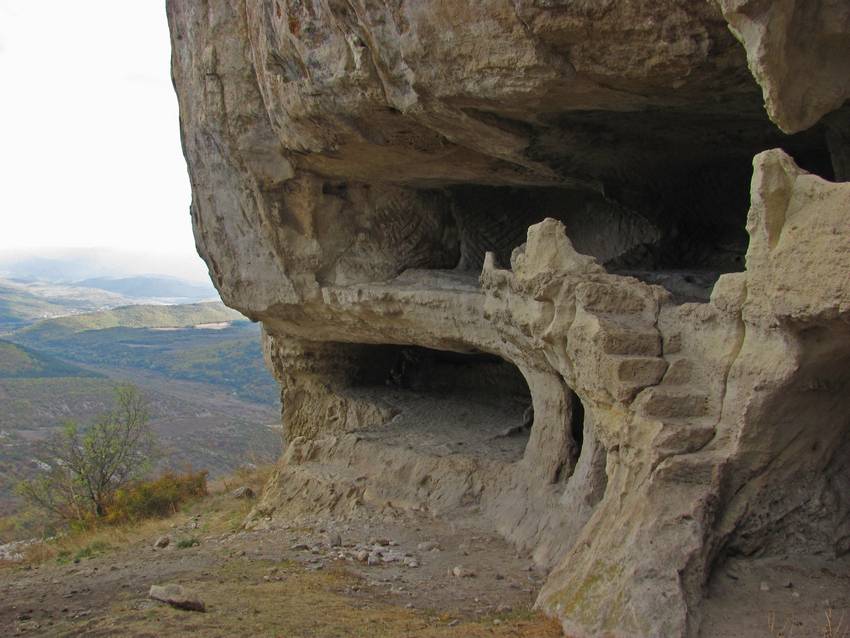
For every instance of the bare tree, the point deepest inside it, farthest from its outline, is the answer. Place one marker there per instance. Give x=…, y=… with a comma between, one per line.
x=89, y=465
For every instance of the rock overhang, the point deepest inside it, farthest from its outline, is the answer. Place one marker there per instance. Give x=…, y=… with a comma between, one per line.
x=451, y=177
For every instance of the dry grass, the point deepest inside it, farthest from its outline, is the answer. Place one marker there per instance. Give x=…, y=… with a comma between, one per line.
x=828, y=627
x=227, y=515
x=311, y=605
x=243, y=602
x=255, y=478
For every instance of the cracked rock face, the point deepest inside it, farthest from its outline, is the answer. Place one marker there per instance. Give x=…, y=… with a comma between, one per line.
x=516, y=259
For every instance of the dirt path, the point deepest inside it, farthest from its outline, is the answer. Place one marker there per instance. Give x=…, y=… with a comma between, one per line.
x=411, y=577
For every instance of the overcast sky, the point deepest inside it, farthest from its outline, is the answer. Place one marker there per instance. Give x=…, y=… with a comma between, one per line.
x=89, y=134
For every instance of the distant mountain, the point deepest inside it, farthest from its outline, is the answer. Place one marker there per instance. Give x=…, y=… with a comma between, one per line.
x=140, y=316
x=205, y=342
x=20, y=362
x=24, y=303
x=152, y=287
x=74, y=264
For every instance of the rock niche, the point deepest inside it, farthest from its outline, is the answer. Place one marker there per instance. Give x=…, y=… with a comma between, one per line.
x=578, y=267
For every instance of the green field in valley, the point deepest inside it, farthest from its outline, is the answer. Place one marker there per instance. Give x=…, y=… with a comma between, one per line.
x=213, y=403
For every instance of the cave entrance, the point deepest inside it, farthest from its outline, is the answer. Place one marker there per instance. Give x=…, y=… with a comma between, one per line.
x=444, y=403
x=648, y=236
x=665, y=193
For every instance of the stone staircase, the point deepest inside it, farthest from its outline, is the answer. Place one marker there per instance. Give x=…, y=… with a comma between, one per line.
x=660, y=382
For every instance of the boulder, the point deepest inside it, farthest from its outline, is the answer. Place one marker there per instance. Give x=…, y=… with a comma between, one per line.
x=178, y=596
x=162, y=542
x=443, y=213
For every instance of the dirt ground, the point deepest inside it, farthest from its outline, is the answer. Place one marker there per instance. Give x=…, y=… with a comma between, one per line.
x=427, y=578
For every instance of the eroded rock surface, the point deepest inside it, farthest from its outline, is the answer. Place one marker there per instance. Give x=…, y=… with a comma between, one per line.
x=452, y=220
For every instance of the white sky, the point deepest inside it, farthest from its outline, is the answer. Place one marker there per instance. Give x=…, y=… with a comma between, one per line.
x=89, y=135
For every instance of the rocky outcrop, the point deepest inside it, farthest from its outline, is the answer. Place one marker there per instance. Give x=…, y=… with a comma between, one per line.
x=799, y=51
x=452, y=221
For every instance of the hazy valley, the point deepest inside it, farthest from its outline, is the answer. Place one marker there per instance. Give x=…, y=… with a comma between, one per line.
x=214, y=404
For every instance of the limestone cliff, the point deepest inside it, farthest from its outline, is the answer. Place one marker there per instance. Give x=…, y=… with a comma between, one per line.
x=511, y=257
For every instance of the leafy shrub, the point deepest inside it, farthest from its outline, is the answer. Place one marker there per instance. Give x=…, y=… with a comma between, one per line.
x=183, y=543
x=92, y=549
x=161, y=497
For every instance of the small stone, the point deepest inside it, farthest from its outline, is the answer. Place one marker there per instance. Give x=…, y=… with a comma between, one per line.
x=787, y=584
x=334, y=541
x=362, y=555
x=764, y=586
x=178, y=596
x=454, y=623
x=241, y=492
x=427, y=546
x=409, y=606
x=373, y=559
x=298, y=547
x=499, y=576
x=732, y=575
x=315, y=549
x=462, y=571
x=796, y=594
x=504, y=609
x=162, y=542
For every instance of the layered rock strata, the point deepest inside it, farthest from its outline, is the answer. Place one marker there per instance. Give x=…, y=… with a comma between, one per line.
x=483, y=240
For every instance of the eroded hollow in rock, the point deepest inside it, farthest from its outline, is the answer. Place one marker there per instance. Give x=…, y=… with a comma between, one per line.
x=666, y=193
x=443, y=403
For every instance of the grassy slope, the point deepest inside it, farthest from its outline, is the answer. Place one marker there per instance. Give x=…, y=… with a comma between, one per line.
x=231, y=357
x=180, y=316
x=19, y=306
x=31, y=404
x=17, y=362
x=252, y=588
x=199, y=427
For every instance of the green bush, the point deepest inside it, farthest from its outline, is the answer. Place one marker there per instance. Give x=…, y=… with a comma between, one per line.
x=161, y=497
x=183, y=543
x=92, y=550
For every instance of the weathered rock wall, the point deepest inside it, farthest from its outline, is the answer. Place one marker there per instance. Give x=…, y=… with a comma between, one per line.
x=381, y=183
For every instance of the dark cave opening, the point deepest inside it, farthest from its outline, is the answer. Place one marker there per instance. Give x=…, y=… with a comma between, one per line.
x=577, y=422
x=671, y=194
x=441, y=402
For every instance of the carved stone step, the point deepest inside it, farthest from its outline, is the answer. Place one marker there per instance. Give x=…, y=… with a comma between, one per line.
x=625, y=336
x=678, y=436
x=631, y=374
x=679, y=371
x=597, y=297
x=683, y=402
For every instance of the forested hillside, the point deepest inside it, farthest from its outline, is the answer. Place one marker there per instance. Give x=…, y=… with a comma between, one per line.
x=213, y=403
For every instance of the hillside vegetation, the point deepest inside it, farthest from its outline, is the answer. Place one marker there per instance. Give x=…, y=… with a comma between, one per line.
x=20, y=362
x=142, y=316
x=18, y=306
x=213, y=403
x=24, y=302
x=229, y=356
x=41, y=403
x=152, y=286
